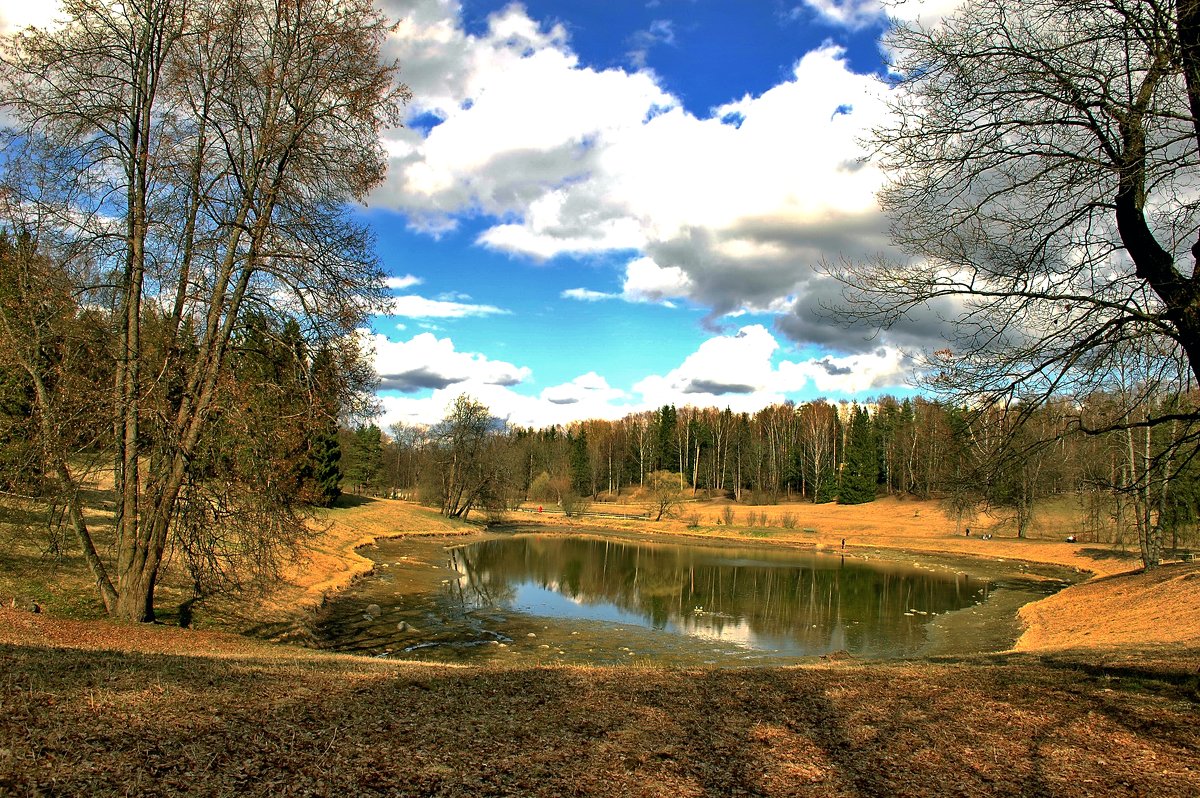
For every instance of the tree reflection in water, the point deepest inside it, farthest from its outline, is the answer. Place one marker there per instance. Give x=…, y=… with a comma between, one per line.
x=787, y=601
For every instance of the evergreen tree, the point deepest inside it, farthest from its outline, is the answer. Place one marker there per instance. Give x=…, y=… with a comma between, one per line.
x=325, y=463
x=20, y=466
x=581, y=465
x=666, y=449
x=860, y=468
x=366, y=457
x=826, y=490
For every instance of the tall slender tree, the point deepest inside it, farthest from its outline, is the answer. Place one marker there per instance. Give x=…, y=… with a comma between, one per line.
x=860, y=469
x=191, y=160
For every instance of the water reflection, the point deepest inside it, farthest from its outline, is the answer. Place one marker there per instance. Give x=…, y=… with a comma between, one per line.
x=788, y=602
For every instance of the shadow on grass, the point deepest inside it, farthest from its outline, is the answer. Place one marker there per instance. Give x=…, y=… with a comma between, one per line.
x=104, y=722
x=347, y=500
x=1174, y=680
x=1109, y=554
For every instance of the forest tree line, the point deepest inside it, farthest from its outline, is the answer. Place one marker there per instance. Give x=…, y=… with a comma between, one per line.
x=1134, y=485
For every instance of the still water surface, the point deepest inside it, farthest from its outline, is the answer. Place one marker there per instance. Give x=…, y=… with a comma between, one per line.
x=597, y=600
x=794, y=603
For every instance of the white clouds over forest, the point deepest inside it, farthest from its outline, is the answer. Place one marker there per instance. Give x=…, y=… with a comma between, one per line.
x=735, y=370
x=740, y=208
x=733, y=208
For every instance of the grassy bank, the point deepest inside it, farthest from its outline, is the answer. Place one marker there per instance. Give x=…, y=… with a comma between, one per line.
x=1101, y=703
x=273, y=722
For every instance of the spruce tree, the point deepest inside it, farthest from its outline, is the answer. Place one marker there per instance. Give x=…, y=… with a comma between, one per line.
x=366, y=457
x=826, y=490
x=860, y=468
x=325, y=461
x=581, y=465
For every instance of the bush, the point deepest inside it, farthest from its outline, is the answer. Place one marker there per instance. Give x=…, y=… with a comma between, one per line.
x=662, y=494
x=727, y=515
x=573, y=504
x=788, y=520
x=540, y=489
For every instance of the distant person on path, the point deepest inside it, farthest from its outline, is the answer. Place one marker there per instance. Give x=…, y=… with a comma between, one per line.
x=968, y=531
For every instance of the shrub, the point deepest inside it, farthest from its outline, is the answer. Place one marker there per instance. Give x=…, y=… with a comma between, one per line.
x=540, y=489
x=573, y=504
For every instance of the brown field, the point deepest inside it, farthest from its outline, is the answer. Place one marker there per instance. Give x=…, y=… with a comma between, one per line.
x=1098, y=699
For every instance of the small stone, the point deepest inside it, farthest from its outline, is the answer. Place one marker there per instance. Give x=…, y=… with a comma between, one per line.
x=531, y=634
x=374, y=610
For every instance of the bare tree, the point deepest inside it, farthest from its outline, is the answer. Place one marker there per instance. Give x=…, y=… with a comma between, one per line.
x=1042, y=158
x=663, y=495
x=188, y=162
x=1043, y=163
x=471, y=459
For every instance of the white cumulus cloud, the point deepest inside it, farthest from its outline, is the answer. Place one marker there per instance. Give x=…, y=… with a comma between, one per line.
x=586, y=389
x=397, y=283
x=851, y=14
x=739, y=371
x=428, y=362
x=730, y=209
x=18, y=14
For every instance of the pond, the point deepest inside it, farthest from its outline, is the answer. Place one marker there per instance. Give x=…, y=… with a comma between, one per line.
x=601, y=600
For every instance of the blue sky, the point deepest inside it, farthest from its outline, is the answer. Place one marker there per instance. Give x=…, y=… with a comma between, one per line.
x=598, y=207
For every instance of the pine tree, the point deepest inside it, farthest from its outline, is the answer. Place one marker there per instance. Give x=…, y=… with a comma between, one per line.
x=366, y=457
x=581, y=465
x=860, y=468
x=325, y=463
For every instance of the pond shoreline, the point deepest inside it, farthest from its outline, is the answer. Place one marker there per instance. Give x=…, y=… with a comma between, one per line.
x=429, y=629
x=878, y=534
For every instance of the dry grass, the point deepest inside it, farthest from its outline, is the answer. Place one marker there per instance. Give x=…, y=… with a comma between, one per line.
x=1101, y=701
x=888, y=523
x=331, y=560
x=109, y=722
x=62, y=585
x=1160, y=607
